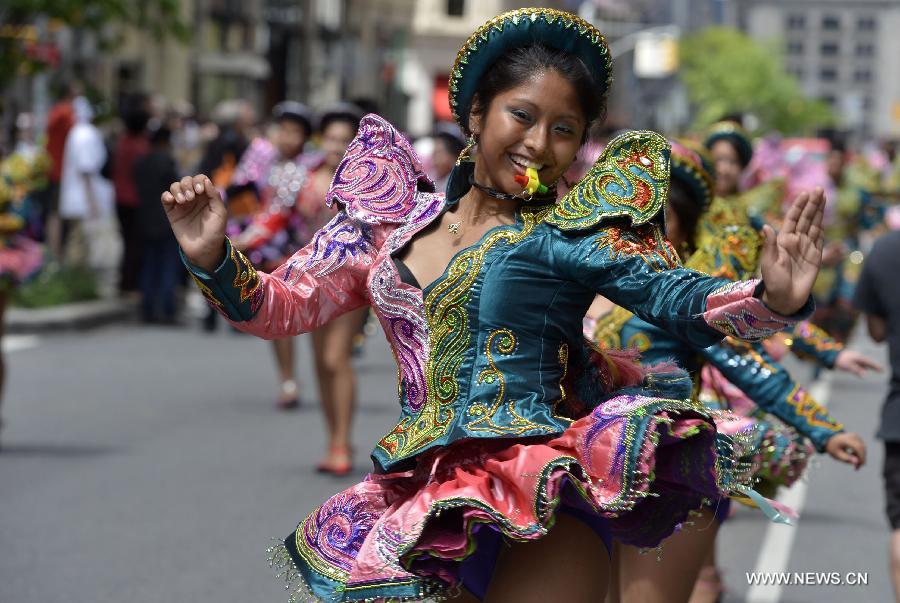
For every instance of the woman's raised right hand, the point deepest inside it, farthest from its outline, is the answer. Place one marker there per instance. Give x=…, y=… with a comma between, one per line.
x=197, y=215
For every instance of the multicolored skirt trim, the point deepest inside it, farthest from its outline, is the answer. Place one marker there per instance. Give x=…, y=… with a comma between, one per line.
x=777, y=454
x=637, y=464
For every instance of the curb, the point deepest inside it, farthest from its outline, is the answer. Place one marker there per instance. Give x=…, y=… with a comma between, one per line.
x=68, y=317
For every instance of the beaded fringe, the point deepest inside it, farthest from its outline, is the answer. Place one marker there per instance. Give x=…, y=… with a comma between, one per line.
x=300, y=592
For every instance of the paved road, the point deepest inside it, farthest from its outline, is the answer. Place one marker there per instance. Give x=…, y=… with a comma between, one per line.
x=147, y=465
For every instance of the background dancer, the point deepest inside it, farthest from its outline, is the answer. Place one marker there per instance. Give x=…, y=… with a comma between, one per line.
x=276, y=171
x=333, y=342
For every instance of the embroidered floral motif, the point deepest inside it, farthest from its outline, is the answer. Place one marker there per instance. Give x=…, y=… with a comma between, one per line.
x=403, y=319
x=246, y=280
x=340, y=241
x=645, y=241
x=379, y=176
x=330, y=537
x=501, y=341
x=630, y=179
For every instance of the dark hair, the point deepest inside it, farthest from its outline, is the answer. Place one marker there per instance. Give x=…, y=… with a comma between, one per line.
x=687, y=209
x=161, y=135
x=334, y=118
x=134, y=113
x=452, y=144
x=519, y=64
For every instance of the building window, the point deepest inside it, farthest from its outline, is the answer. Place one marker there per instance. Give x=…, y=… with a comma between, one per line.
x=868, y=103
x=831, y=101
x=830, y=49
x=866, y=24
x=795, y=48
x=456, y=8
x=828, y=74
x=796, y=22
x=865, y=50
x=862, y=75
x=797, y=72
x=831, y=22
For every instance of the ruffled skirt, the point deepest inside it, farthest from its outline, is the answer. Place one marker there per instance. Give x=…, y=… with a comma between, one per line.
x=632, y=469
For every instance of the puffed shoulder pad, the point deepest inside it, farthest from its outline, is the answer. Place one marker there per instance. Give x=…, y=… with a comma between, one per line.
x=630, y=180
x=379, y=176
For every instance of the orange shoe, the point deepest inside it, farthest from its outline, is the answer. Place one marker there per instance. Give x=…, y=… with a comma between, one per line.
x=338, y=462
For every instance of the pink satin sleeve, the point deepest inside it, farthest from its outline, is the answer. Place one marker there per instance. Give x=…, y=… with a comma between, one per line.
x=320, y=282
x=736, y=311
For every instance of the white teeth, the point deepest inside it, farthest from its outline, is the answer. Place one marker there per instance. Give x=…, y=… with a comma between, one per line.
x=519, y=160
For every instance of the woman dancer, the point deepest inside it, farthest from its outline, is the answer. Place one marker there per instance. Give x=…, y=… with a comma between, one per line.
x=509, y=429
x=276, y=172
x=333, y=342
x=777, y=454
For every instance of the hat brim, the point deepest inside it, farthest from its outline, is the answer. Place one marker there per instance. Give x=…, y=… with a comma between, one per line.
x=521, y=28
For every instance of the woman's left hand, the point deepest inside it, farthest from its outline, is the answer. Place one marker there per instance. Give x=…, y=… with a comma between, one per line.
x=851, y=361
x=791, y=258
x=848, y=448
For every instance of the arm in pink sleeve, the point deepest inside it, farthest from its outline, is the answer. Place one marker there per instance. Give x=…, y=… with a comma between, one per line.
x=323, y=280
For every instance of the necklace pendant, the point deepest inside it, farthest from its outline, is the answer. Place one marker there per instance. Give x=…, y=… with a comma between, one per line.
x=453, y=227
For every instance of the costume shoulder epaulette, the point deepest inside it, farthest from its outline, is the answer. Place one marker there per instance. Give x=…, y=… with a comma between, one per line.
x=629, y=180
x=380, y=180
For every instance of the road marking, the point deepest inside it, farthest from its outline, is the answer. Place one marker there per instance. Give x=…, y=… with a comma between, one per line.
x=15, y=343
x=775, y=551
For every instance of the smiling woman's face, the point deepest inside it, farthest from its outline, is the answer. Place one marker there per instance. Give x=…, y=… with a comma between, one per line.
x=537, y=124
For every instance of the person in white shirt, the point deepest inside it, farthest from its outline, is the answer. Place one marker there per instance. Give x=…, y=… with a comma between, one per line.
x=86, y=203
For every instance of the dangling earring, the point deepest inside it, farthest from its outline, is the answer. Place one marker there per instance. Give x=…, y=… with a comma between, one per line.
x=464, y=154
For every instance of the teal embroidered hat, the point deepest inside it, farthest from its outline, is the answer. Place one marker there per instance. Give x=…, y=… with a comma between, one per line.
x=519, y=28
x=733, y=133
x=692, y=166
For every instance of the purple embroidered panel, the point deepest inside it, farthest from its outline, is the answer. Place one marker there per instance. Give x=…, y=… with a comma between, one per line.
x=400, y=308
x=339, y=241
x=379, y=176
x=336, y=531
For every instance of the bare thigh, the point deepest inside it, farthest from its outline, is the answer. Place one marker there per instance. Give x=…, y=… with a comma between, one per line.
x=569, y=564
x=669, y=577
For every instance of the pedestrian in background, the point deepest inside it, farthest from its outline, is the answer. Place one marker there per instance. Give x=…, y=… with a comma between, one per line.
x=160, y=265
x=131, y=145
x=60, y=120
x=878, y=296
x=86, y=205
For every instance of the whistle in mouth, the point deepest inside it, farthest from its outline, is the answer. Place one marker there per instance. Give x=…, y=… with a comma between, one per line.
x=530, y=181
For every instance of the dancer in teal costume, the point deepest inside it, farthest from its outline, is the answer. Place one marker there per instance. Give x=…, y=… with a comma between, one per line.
x=511, y=429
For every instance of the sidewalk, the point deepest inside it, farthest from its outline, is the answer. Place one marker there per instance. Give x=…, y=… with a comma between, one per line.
x=77, y=316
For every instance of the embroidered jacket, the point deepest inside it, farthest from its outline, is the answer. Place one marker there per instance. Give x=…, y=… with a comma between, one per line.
x=483, y=350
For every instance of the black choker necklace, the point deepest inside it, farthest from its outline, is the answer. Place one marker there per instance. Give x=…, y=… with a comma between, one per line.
x=548, y=197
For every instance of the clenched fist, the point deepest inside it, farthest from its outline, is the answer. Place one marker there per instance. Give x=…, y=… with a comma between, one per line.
x=197, y=215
